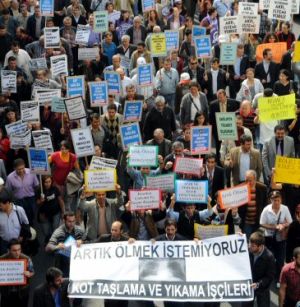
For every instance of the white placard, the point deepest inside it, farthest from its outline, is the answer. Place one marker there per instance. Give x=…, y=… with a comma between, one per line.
x=37, y=64
x=8, y=81
x=12, y=272
x=102, y=163
x=191, y=191
x=234, y=197
x=100, y=180
x=230, y=25
x=17, y=127
x=145, y=199
x=88, y=53
x=52, y=37
x=210, y=231
x=59, y=65
x=295, y=6
x=164, y=271
x=189, y=166
x=18, y=141
x=83, y=142
x=163, y=182
x=42, y=139
x=264, y=4
x=248, y=8
x=75, y=108
x=30, y=111
x=280, y=10
x=44, y=96
x=250, y=24
x=82, y=34
x=143, y=156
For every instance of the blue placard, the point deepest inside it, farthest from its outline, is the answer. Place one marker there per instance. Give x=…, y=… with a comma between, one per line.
x=38, y=161
x=75, y=86
x=148, y=5
x=133, y=111
x=203, y=46
x=144, y=75
x=191, y=191
x=130, y=135
x=172, y=39
x=98, y=94
x=198, y=31
x=47, y=7
x=200, y=140
x=113, y=82
x=228, y=53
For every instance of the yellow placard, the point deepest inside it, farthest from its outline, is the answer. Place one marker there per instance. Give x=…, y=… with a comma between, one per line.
x=277, y=108
x=100, y=180
x=210, y=231
x=287, y=170
x=158, y=44
x=296, y=56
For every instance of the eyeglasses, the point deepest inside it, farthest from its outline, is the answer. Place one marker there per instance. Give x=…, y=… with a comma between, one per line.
x=194, y=63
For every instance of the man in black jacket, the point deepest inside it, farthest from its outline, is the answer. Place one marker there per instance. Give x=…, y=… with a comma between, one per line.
x=170, y=232
x=195, y=71
x=116, y=234
x=263, y=270
x=55, y=288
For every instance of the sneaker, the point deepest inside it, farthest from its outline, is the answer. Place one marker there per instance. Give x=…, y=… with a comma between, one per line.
x=278, y=285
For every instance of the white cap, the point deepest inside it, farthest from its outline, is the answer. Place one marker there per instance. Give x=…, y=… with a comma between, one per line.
x=184, y=78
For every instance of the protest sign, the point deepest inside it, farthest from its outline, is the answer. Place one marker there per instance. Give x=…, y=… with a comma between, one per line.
x=68, y=243
x=133, y=111
x=75, y=86
x=113, y=82
x=191, y=191
x=59, y=65
x=215, y=270
x=100, y=21
x=295, y=6
x=98, y=93
x=30, y=111
x=21, y=140
x=47, y=7
x=226, y=126
x=189, y=166
x=210, y=231
x=198, y=31
x=148, y=5
x=142, y=156
x=45, y=96
x=102, y=163
x=158, y=45
x=230, y=25
x=228, y=53
x=58, y=105
x=52, y=37
x=277, y=108
x=248, y=8
x=37, y=64
x=172, y=39
x=17, y=127
x=234, y=197
x=144, y=75
x=125, y=62
x=8, y=81
x=114, y=16
x=83, y=142
x=203, y=46
x=38, y=161
x=88, y=53
x=264, y=4
x=145, y=199
x=280, y=10
x=75, y=108
x=163, y=182
x=296, y=55
x=250, y=24
x=42, y=139
x=200, y=140
x=278, y=50
x=100, y=180
x=287, y=170
x=82, y=34
x=12, y=272
x=130, y=135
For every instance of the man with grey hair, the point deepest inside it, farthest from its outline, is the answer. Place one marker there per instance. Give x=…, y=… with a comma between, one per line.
x=161, y=116
x=137, y=32
x=164, y=145
x=250, y=213
x=177, y=151
x=125, y=48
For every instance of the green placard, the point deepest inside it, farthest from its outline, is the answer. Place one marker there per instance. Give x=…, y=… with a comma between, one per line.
x=226, y=125
x=143, y=156
x=100, y=21
x=163, y=182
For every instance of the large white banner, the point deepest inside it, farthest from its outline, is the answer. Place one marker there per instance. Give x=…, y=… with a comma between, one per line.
x=216, y=270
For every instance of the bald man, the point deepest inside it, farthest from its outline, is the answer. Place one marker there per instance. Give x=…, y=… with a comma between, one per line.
x=116, y=234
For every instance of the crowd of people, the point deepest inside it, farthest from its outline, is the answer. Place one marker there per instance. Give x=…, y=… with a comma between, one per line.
x=186, y=92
